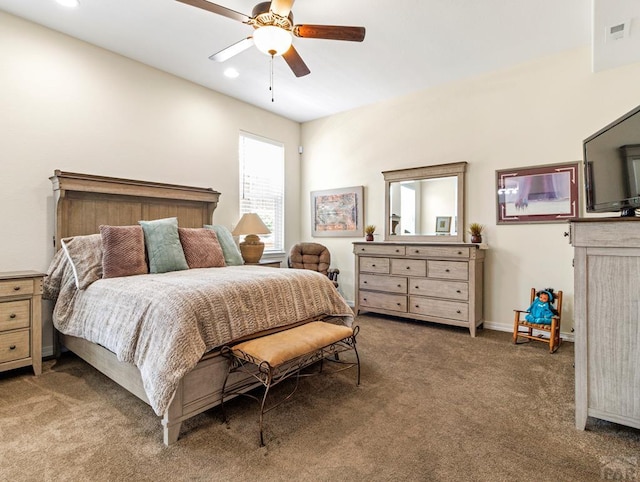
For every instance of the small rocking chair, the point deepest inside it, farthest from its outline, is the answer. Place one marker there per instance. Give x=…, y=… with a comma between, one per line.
x=553, y=330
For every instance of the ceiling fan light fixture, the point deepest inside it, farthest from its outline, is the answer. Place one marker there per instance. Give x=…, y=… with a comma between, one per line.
x=272, y=40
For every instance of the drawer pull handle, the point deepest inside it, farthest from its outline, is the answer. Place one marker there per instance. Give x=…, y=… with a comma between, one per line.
x=364, y=282
x=12, y=347
x=417, y=306
x=373, y=265
x=12, y=316
x=458, y=311
x=446, y=270
x=397, y=250
x=417, y=287
x=408, y=267
x=458, y=291
x=459, y=252
x=399, y=286
x=16, y=288
x=398, y=304
x=364, y=299
x=417, y=251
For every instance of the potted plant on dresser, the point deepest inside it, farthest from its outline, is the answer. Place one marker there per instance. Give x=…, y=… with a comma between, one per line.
x=369, y=230
x=475, y=230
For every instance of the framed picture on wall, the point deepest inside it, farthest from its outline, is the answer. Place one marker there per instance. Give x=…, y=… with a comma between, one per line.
x=538, y=194
x=338, y=212
x=443, y=224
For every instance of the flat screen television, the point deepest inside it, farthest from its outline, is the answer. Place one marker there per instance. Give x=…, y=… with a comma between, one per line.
x=612, y=166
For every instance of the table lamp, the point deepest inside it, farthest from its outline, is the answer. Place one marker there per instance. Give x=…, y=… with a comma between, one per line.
x=251, y=248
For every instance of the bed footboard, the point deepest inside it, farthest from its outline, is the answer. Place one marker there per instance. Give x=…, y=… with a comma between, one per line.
x=199, y=390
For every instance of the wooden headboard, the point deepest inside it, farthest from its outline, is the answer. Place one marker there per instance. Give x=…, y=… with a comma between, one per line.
x=83, y=202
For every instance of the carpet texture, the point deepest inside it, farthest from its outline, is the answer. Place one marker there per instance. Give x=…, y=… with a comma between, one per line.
x=434, y=404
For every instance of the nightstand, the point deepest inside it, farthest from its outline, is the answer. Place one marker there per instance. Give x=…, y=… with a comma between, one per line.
x=21, y=320
x=268, y=263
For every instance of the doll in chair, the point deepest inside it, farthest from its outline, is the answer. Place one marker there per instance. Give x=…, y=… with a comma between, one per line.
x=541, y=310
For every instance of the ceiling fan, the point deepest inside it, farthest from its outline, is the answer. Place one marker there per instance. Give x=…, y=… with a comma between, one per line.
x=274, y=27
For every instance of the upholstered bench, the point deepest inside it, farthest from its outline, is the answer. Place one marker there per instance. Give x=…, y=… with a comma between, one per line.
x=273, y=358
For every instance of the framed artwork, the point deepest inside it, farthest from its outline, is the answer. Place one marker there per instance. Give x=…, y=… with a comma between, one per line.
x=538, y=194
x=337, y=212
x=443, y=224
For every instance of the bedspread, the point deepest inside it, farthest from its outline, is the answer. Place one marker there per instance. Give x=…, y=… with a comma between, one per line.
x=164, y=323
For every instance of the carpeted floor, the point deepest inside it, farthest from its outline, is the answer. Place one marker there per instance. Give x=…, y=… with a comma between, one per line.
x=434, y=404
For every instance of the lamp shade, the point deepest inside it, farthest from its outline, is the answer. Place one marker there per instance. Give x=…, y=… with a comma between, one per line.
x=251, y=248
x=250, y=223
x=272, y=40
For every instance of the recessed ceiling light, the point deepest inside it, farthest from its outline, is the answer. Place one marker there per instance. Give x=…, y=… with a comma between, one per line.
x=231, y=73
x=69, y=3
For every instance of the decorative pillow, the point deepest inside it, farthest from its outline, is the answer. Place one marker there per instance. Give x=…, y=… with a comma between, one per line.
x=58, y=275
x=122, y=251
x=201, y=248
x=85, y=255
x=163, y=245
x=230, y=249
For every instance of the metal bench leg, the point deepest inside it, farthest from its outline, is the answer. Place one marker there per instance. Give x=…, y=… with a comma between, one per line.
x=264, y=399
x=224, y=386
x=353, y=338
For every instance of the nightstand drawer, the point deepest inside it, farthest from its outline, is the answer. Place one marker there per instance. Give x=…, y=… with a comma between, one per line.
x=15, y=314
x=14, y=346
x=16, y=287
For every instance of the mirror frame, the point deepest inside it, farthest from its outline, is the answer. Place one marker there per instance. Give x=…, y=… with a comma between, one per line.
x=456, y=169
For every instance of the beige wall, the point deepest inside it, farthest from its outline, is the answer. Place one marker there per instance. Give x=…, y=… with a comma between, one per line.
x=67, y=105
x=537, y=113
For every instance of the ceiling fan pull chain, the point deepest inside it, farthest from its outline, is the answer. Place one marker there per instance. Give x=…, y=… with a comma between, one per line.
x=271, y=79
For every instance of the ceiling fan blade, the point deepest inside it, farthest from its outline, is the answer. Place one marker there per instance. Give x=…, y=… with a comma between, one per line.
x=231, y=50
x=281, y=7
x=219, y=9
x=330, y=32
x=295, y=62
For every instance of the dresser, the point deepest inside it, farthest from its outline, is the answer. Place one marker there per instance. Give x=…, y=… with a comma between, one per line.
x=21, y=320
x=436, y=282
x=607, y=319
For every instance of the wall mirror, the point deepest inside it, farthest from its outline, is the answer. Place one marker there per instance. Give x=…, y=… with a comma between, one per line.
x=425, y=203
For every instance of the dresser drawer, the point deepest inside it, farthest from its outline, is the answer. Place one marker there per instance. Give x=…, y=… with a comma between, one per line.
x=409, y=267
x=384, y=249
x=15, y=314
x=374, y=265
x=14, y=346
x=438, y=251
x=16, y=287
x=369, y=299
x=448, y=269
x=390, y=284
x=452, y=310
x=455, y=290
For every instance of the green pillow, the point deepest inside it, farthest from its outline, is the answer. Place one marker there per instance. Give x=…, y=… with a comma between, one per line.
x=232, y=256
x=163, y=245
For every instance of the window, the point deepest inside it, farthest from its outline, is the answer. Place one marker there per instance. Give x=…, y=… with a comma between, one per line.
x=262, y=186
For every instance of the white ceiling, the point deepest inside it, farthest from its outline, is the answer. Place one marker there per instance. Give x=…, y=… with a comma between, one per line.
x=410, y=45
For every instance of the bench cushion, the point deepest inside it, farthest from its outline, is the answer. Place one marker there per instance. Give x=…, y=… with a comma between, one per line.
x=286, y=345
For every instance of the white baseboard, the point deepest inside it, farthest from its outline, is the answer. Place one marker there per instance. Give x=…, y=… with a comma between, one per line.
x=492, y=325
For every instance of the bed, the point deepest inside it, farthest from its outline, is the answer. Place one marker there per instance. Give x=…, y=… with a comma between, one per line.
x=239, y=300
